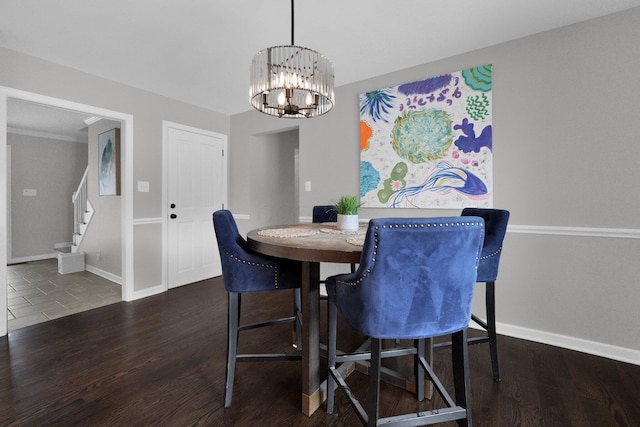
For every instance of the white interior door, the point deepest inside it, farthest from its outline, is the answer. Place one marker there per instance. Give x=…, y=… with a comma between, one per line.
x=196, y=188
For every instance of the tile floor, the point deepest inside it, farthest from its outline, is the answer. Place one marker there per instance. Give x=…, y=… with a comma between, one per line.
x=37, y=292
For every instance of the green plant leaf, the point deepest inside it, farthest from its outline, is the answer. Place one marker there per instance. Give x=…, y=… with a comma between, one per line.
x=347, y=205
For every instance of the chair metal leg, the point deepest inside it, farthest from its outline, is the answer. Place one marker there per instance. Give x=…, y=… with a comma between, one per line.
x=374, y=383
x=233, y=331
x=297, y=312
x=491, y=328
x=452, y=411
x=417, y=367
x=332, y=319
x=232, y=343
x=460, y=361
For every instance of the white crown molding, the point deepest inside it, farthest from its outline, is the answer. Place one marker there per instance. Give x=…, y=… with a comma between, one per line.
x=47, y=135
x=91, y=120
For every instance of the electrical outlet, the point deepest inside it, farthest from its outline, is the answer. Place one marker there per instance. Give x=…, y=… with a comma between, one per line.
x=143, y=186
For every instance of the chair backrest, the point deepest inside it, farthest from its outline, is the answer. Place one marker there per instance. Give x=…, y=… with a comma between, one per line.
x=325, y=213
x=495, y=228
x=416, y=277
x=242, y=271
x=227, y=232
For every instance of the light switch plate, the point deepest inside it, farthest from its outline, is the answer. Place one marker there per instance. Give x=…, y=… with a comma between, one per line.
x=143, y=186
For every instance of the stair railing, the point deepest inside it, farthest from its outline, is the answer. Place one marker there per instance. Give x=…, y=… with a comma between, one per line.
x=81, y=208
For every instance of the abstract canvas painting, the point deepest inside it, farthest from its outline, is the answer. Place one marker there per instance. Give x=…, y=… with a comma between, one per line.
x=428, y=144
x=109, y=163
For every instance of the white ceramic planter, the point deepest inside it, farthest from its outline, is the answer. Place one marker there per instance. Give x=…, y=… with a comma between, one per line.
x=348, y=222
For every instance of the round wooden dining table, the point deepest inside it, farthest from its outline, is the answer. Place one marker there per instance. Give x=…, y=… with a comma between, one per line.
x=310, y=243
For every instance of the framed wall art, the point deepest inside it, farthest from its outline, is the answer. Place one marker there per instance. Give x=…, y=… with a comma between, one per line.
x=109, y=163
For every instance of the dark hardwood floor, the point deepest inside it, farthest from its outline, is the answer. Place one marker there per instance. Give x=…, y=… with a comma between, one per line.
x=161, y=361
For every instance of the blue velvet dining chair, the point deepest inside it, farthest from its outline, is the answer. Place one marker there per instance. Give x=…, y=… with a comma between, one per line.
x=324, y=213
x=415, y=281
x=245, y=272
x=495, y=222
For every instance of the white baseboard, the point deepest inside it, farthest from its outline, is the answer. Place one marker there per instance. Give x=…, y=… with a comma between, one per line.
x=148, y=292
x=31, y=258
x=621, y=354
x=104, y=274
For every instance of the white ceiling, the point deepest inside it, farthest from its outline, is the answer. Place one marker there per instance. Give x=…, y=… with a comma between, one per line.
x=27, y=118
x=199, y=51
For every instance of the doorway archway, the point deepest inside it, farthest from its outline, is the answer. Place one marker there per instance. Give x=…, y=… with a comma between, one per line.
x=126, y=121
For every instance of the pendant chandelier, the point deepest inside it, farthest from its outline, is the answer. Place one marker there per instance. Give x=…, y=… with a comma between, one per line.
x=291, y=81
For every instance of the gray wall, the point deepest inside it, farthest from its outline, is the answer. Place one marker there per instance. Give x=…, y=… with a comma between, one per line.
x=273, y=178
x=102, y=245
x=565, y=129
x=23, y=72
x=53, y=168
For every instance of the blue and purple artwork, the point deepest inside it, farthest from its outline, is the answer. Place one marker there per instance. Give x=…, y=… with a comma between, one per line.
x=109, y=163
x=428, y=144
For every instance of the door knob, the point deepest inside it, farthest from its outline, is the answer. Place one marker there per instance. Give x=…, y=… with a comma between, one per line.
x=173, y=216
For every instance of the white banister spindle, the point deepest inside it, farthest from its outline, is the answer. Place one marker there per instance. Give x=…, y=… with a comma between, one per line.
x=82, y=211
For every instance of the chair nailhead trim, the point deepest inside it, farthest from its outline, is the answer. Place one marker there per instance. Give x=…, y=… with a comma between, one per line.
x=492, y=254
x=255, y=264
x=384, y=226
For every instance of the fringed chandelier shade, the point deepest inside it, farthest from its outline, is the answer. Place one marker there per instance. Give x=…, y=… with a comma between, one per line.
x=291, y=81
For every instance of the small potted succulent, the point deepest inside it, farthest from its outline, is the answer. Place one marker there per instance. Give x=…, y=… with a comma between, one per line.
x=347, y=210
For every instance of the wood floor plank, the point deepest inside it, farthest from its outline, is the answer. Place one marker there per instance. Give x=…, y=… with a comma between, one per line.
x=161, y=361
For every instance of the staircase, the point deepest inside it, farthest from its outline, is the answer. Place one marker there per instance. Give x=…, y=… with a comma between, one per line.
x=82, y=212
